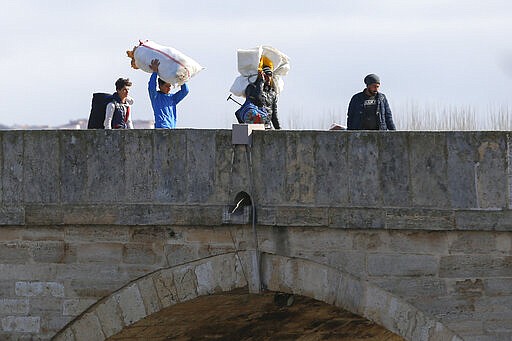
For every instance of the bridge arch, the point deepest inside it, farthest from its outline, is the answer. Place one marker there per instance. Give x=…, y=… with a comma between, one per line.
x=223, y=273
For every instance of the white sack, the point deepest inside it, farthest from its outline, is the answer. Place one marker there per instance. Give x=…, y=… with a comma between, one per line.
x=278, y=83
x=241, y=82
x=175, y=67
x=280, y=60
x=248, y=63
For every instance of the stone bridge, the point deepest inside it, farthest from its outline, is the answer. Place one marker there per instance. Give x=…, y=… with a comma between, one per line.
x=101, y=229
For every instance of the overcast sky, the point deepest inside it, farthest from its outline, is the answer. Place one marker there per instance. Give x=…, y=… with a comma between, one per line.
x=56, y=53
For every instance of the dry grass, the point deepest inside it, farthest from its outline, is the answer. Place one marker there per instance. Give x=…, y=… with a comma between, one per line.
x=412, y=116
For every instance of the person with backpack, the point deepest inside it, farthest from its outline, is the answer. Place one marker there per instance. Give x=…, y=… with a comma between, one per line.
x=163, y=102
x=118, y=110
x=262, y=94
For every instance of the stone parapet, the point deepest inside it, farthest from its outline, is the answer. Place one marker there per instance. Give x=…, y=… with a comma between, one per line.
x=411, y=170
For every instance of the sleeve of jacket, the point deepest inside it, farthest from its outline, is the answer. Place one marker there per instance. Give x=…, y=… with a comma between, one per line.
x=275, y=120
x=184, y=90
x=388, y=116
x=109, y=114
x=350, y=114
x=129, y=122
x=254, y=92
x=152, y=86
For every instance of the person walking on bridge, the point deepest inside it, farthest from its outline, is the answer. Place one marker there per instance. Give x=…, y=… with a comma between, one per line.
x=262, y=94
x=369, y=109
x=117, y=112
x=163, y=102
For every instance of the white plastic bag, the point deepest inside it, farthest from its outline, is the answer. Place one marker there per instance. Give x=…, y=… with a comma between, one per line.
x=240, y=83
x=249, y=62
x=280, y=60
x=175, y=67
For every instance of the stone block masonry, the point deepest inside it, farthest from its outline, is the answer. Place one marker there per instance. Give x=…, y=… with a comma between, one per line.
x=96, y=227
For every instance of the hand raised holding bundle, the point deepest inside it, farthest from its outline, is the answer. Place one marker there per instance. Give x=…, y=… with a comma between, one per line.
x=174, y=67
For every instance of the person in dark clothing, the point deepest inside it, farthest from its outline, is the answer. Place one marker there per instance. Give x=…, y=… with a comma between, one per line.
x=262, y=94
x=369, y=109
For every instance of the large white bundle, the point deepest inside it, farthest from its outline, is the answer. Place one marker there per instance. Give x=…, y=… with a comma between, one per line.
x=175, y=67
x=249, y=62
x=280, y=60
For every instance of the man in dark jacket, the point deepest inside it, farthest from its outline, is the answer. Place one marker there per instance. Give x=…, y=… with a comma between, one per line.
x=262, y=94
x=369, y=109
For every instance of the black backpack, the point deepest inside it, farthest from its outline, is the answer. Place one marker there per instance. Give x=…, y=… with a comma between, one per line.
x=98, y=108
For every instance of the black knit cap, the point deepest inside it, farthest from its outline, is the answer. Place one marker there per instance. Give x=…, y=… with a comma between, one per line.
x=371, y=79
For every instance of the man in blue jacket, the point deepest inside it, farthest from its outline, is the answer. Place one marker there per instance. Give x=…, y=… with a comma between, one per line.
x=369, y=109
x=163, y=102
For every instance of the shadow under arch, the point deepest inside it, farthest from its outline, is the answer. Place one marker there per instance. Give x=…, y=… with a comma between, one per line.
x=227, y=272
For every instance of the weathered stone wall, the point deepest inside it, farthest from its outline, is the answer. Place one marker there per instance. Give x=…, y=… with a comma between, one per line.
x=433, y=181
x=423, y=217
